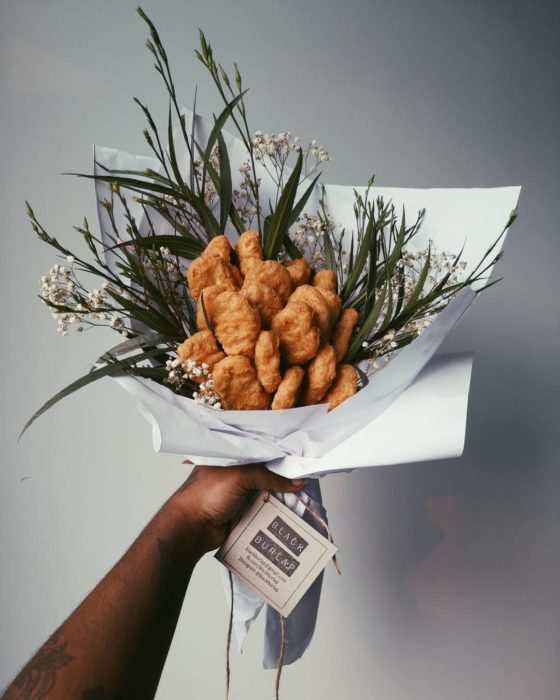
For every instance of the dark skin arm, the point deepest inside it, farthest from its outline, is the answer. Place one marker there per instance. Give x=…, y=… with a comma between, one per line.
x=115, y=643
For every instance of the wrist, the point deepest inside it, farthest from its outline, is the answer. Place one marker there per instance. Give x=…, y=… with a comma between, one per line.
x=190, y=531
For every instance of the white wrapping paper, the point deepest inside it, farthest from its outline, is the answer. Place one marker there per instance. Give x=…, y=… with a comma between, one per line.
x=373, y=427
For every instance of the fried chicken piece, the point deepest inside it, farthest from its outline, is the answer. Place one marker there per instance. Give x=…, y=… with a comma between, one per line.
x=313, y=298
x=320, y=374
x=288, y=389
x=208, y=294
x=334, y=302
x=213, y=267
x=267, y=361
x=264, y=299
x=249, y=251
x=299, y=337
x=223, y=274
x=207, y=270
x=200, y=275
x=343, y=332
x=236, y=382
x=219, y=247
x=236, y=323
x=325, y=279
x=236, y=275
x=272, y=274
x=344, y=386
x=299, y=271
x=200, y=347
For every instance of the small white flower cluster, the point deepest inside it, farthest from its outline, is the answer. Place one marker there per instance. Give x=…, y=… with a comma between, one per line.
x=411, y=266
x=243, y=197
x=58, y=285
x=210, y=192
x=178, y=373
x=173, y=268
x=309, y=237
x=282, y=144
x=207, y=394
x=309, y=230
x=61, y=287
x=440, y=265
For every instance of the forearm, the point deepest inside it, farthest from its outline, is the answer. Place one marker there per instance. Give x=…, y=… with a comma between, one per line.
x=115, y=643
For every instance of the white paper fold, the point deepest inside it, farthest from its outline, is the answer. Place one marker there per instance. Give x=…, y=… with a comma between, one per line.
x=372, y=428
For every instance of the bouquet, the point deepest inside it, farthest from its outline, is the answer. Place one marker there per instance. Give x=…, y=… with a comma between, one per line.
x=264, y=316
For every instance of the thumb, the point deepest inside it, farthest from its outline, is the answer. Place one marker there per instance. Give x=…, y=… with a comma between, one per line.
x=259, y=477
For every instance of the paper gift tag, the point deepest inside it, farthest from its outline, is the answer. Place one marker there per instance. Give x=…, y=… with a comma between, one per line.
x=275, y=552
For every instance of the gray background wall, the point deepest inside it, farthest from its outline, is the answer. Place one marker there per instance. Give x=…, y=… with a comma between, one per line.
x=450, y=585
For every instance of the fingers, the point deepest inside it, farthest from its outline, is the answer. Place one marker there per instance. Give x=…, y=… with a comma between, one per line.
x=259, y=477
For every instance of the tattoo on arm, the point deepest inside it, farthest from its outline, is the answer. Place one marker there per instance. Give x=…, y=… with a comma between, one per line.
x=38, y=677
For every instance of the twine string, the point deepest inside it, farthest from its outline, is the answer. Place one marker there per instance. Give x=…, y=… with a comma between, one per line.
x=322, y=522
x=280, y=664
x=230, y=629
x=282, y=651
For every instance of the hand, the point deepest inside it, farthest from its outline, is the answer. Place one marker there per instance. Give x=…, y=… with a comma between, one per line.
x=212, y=497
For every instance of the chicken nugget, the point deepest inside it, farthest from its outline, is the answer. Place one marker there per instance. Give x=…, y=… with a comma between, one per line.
x=272, y=274
x=264, y=299
x=235, y=380
x=236, y=323
x=219, y=247
x=320, y=374
x=207, y=270
x=267, y=360
x=313, y=298
x=200, y=347
x=223, y=274
x=299, y=337
x=325, y=279
x=344, y=386
x=343, y=332
x=208, y=294
x=334, y=302
x=248, y=250
x=299, y=271
x=200, y=275
x=236, y=275
x=287, y=393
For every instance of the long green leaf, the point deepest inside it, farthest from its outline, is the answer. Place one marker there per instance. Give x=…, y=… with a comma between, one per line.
x=233, y=214
x=172, y=155
x=419, y=286
x=180, y=228
x=152, y=318
x=127, y=346
x=330, y=259
x=361, y=258
x=177, y=245
x=213, y=137
x=395, y=255
x=225, y=190
x=291, y=248
x=302, y=201
x=366, y=327
x=389, y=313
x=113, y=369
x=279, y=221
x=207, y=219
